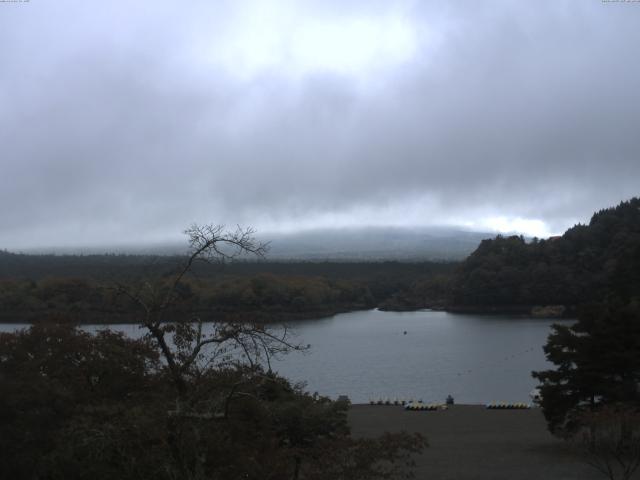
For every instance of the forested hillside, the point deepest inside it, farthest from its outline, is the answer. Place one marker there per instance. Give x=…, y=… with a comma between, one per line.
x=510, y=274
x=587, y=263
x=84, y=288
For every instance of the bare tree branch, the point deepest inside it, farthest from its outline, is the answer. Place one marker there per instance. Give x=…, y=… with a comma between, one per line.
x=187, y=350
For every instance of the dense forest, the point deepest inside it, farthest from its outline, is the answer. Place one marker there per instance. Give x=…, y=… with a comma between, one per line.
x=81, y=406
x=84, y=288
x=587, y=263
x=506, y=274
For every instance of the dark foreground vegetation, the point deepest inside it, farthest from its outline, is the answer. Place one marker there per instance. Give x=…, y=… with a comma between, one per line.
x=77, y=406
x=592, y=396
x=181, y=403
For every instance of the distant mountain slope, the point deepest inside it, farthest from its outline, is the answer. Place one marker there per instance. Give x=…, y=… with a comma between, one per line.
x=351, y=244
x=376, y=243
x=587, y=263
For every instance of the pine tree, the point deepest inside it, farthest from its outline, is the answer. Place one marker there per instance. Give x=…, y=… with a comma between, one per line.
x=597, y=363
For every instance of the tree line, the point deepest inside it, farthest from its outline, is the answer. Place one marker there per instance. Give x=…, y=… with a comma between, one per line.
x=80, y=288
x=587, y=262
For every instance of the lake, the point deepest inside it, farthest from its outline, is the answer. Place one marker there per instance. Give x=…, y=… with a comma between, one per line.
x=367, y=355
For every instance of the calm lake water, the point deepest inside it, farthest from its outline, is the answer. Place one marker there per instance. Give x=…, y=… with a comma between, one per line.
x=367, y=355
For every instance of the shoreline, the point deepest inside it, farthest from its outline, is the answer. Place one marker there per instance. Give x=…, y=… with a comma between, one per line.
x=122, y=318
x=119, y=318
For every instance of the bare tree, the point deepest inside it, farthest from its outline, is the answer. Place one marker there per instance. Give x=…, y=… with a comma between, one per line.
x=185, y=346
x=609, y=440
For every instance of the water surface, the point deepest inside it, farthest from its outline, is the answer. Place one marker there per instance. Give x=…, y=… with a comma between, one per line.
x=423, y=355
x=368, y=355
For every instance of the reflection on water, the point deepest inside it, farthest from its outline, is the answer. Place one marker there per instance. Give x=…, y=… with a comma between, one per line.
x=426, y=355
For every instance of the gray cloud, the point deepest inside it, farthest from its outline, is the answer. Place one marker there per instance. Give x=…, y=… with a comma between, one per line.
x=121, y=123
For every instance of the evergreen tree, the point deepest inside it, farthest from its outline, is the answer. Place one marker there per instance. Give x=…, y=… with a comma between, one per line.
x=598, y=363
x=583, y=265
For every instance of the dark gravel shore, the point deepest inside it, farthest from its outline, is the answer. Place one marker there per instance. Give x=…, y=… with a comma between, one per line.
x=470, y=442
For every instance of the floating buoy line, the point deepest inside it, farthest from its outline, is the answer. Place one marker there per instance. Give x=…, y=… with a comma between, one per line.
x=408, y=404
x=504, y=362
x=388, y=401
x=508, y=406
x=419, y=405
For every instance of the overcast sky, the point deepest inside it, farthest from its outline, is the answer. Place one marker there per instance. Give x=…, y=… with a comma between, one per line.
x=127, y=121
